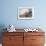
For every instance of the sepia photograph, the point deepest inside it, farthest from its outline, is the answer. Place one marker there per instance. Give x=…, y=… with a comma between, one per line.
x=25, y=13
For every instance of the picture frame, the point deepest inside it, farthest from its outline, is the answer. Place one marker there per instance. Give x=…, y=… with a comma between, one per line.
x=25, y=13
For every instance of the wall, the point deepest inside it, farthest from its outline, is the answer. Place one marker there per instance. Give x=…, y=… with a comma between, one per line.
x=9, y=13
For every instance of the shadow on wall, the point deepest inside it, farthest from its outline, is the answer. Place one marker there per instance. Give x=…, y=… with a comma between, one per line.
x=2, y=26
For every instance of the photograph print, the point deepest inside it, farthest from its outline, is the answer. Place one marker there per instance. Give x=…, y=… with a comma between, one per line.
x=25, y=13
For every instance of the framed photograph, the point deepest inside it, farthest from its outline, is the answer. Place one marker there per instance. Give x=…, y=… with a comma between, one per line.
x=25, y=13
